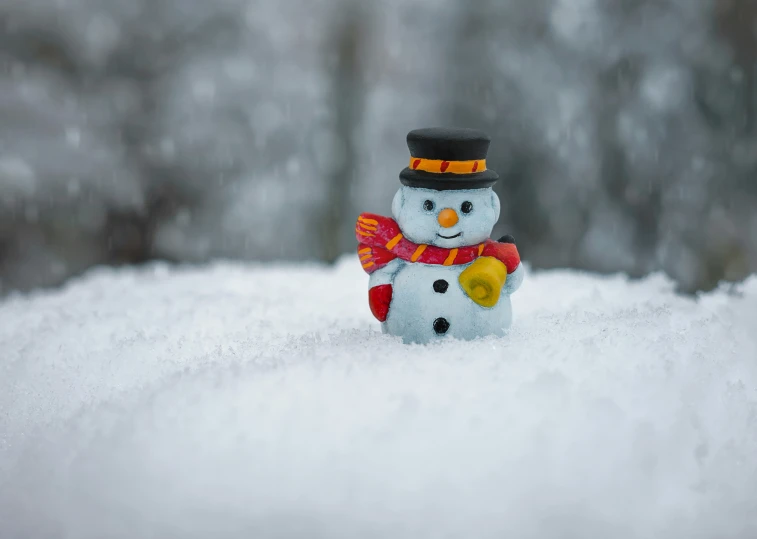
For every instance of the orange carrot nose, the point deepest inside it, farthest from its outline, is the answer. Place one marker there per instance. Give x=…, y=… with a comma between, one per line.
x=448, y=217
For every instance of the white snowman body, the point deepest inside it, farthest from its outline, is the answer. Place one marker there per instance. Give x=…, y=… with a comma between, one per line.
x=428, y=302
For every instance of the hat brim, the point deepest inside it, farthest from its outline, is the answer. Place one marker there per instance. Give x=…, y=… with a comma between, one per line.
x=448, y=181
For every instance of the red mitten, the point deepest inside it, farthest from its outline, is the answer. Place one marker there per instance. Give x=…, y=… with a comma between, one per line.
x=379, y=298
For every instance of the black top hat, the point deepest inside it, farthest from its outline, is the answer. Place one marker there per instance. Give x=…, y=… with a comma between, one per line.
x=443, y=159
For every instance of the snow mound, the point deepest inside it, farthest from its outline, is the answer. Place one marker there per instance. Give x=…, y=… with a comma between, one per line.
x=262, y=401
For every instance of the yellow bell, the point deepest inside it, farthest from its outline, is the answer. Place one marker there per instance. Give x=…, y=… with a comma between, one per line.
x=483, y=280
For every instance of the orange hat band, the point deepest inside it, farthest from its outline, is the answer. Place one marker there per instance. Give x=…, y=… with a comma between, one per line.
x=455, y=167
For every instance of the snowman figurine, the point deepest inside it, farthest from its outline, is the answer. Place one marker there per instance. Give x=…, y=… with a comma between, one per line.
x=434, y=272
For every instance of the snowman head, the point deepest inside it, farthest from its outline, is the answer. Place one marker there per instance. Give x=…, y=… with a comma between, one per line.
x=448, y=218
x=447, y=198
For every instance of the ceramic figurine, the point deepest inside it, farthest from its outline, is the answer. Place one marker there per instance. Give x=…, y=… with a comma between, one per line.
x=434, y=272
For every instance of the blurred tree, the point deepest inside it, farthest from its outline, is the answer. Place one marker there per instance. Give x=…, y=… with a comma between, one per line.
x=346, y=53
x=625, y=131
x=736, y=22
x=81, y=82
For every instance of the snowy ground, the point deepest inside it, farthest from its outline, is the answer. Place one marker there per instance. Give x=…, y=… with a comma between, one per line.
x=246, y=401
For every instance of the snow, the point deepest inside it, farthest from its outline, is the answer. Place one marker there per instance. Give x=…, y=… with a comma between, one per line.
x=240, y=400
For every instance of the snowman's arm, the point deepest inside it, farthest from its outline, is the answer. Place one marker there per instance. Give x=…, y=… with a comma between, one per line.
x=386, y=274
x=514, y=280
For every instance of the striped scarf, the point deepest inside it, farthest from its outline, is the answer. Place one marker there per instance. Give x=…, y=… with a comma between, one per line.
x=380, y=241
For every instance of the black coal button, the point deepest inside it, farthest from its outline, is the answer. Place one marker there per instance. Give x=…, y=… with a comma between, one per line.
x=441, y=286
x=441, y=326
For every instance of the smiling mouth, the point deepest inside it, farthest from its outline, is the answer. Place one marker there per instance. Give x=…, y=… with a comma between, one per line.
x=451, y=237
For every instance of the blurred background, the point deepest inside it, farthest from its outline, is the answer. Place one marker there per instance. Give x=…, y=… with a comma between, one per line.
x=624, y=131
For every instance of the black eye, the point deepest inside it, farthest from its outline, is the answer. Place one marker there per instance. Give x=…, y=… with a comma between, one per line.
x=428, y=205
x=466, y=207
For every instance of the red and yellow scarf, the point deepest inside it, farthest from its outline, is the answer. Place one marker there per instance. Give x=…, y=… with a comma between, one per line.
x=381, y=241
